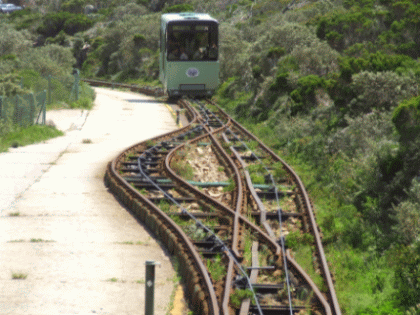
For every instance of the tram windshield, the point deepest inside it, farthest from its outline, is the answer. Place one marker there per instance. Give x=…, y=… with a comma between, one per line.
x=196, y=42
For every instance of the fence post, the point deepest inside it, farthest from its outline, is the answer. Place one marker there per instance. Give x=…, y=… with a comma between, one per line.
x=49, y=89
x=16, y=110
x=31, y=108
x=44, y=109
x=76, y=83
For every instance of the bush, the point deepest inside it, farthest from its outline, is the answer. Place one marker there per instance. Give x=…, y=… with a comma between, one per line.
x=317, y=59
x=71, y=23
x=406, y=118
x=382, y=90
x=128, y=11
x=77, y=23
x=73, y=6
x=304, y=95
x=372, y=62
x=13, y=41
x=49, y=60
x=363, y=135
x=10, y=85
x=407, y=274
x=179, y=8
x=233, y=58
x=407, y=215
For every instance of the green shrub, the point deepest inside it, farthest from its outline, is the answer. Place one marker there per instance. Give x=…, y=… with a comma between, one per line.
x=239, y=295
x=73, y=6
x=77, y=23
x=71, y=23
x=304, y=95
x=373, y=62
x=10, y=85
x=316, y=59
x=382, y=90
x=406, y=118
x=179, y=8
x=13, y=41
x=407, y=274
x=49, y=60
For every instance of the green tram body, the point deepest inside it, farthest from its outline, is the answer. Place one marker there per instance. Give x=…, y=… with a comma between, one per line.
x=189, y=60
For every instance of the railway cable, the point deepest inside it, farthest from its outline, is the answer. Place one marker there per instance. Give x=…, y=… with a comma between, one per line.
x=281, y=240
x=214, y=121
x=209, y=232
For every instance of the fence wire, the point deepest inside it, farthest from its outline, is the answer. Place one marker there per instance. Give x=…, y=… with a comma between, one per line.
x=28, y=109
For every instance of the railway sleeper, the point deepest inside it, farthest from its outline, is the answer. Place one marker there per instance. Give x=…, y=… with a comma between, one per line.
x=150, y=185
x=276, y=310
x=272, y=194
x=259, y=288
x=274, y=215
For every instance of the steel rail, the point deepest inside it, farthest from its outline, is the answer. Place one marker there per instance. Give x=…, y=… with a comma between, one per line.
x=309, y=210
x=235, y=257
x=127, y=194
x=174, y=233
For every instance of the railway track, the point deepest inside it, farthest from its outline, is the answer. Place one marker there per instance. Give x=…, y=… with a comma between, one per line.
x=237, y=217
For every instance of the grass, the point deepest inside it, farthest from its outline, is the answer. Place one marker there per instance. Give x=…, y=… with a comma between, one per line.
x=183, y=169
x=133, y=243
x=304, y=257
x=112, y=279
x=216, y=268
x=231, y=186
x=19, y=276
x=14, y=214
x=25, y=136
x=150, y=143
x=239, y=295
x=247, y=249
x=40, y=240
x=176, y=279
x=164, y=205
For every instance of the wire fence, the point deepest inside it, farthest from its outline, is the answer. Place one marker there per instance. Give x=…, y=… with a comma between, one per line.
x=28, y=109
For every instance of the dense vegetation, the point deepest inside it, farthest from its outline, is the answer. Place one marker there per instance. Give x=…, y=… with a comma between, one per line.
x=333, y=86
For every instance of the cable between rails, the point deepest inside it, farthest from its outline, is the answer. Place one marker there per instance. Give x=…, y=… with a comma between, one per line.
x=198, y=223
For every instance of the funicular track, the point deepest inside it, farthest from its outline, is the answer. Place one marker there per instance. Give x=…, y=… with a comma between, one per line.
x=231, y=236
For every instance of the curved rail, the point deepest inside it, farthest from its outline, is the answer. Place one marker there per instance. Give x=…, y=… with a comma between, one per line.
x=309, y=209
x=203, y=290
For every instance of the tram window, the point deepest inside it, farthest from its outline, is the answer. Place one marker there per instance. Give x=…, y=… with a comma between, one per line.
x=192, y=42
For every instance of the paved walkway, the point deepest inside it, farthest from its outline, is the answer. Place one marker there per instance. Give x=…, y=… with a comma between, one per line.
x=80, y=251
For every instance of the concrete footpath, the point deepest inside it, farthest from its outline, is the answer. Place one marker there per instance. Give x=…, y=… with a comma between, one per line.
x=66, y=245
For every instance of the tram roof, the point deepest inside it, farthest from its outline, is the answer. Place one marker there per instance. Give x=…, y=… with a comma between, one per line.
x=187, y=16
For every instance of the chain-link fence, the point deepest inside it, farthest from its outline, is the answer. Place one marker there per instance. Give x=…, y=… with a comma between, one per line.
x=22, y=110
x=27, y=109
x=60, y=89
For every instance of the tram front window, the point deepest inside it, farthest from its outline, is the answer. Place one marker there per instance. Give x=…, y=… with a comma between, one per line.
x=192, y=42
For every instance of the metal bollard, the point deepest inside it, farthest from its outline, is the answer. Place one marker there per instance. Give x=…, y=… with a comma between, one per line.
x=177, y=116
x=150, y=286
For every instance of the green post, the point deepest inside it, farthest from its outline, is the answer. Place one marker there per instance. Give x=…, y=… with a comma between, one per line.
x=49, y=90
x=76, y=73
x=31, y=98
x=44, y=110
x=150, y=286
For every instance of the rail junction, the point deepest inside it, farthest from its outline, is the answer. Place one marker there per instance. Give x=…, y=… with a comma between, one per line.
x=235, y=238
